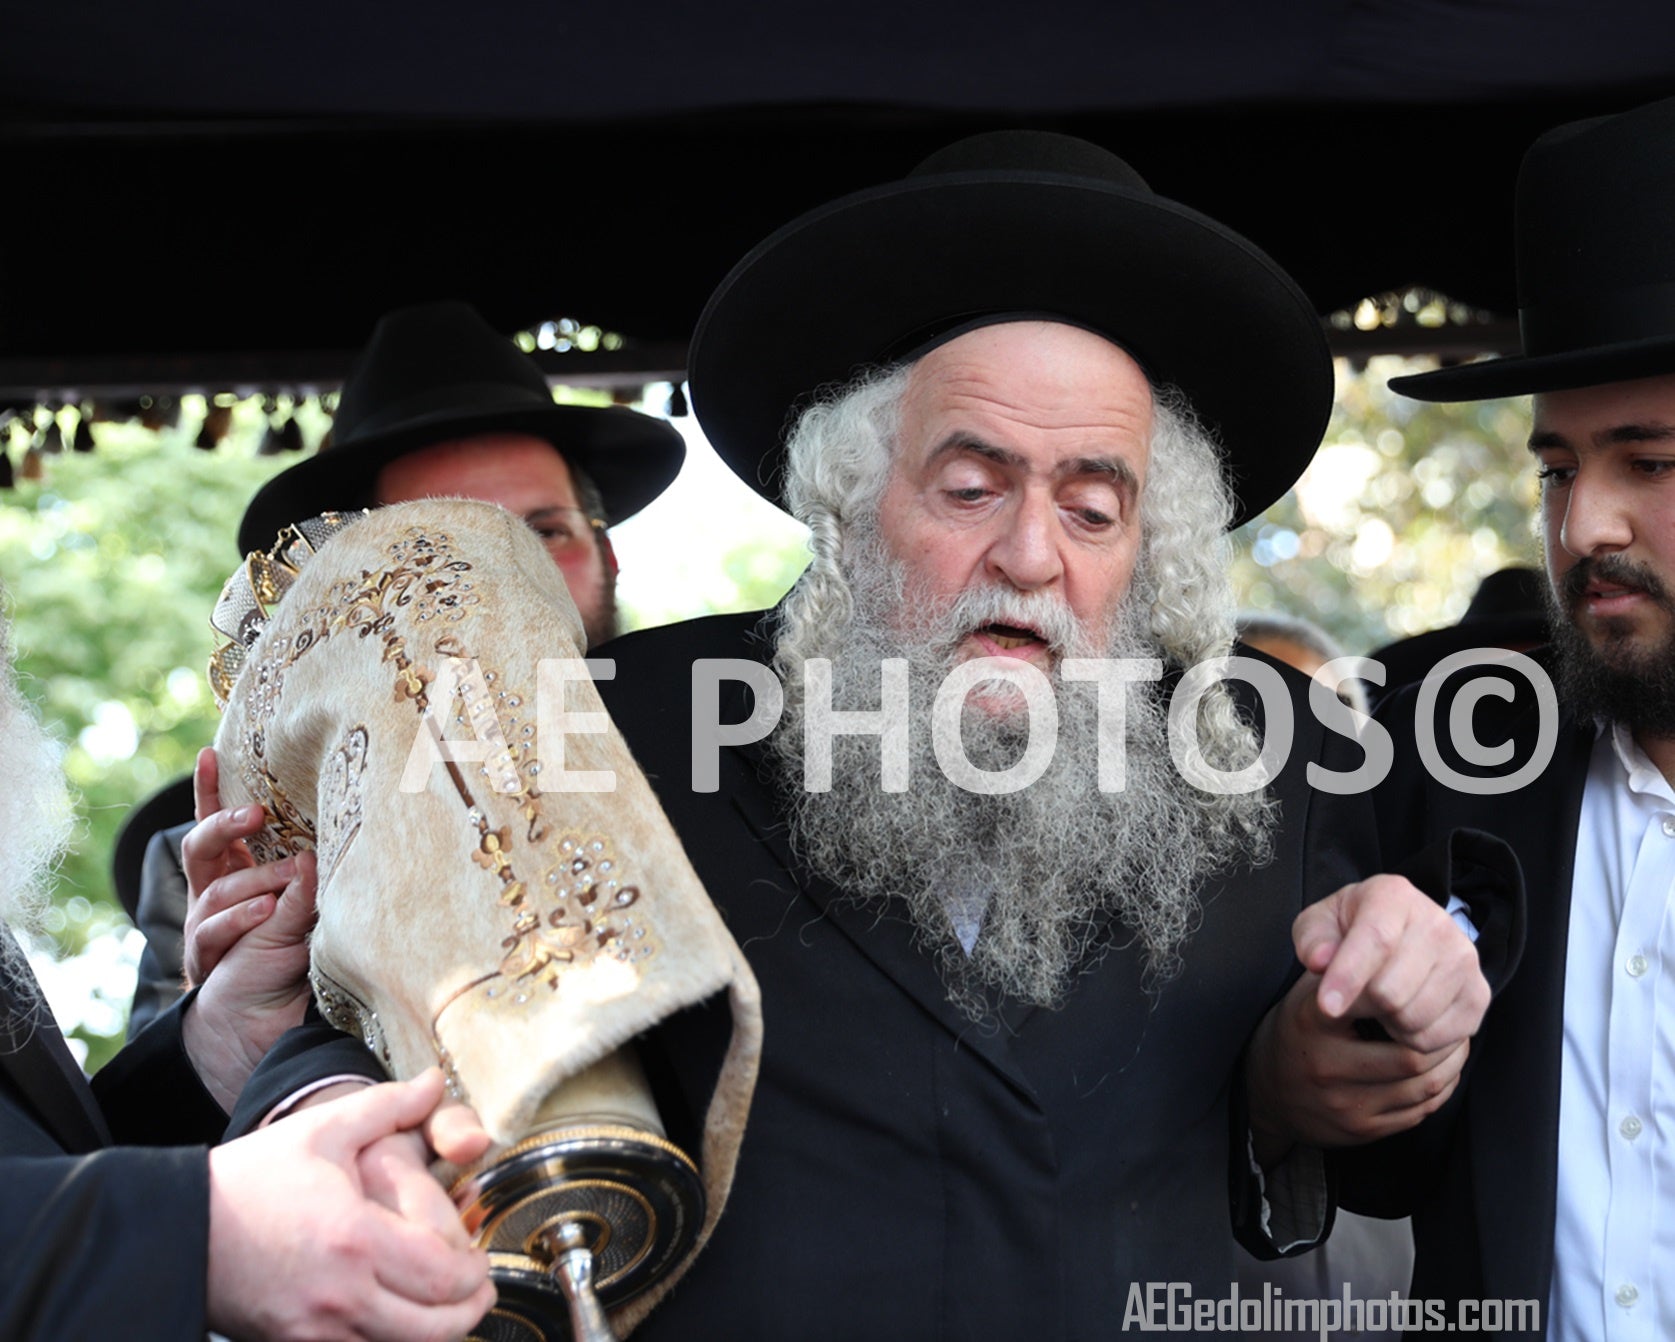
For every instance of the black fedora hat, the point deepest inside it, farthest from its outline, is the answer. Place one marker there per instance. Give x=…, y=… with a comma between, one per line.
x=1596, y=263
x=1508, y=610
x=1016, y=222
x=436, y=372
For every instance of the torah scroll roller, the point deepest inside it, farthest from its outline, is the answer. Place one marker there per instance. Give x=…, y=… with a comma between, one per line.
x=500, y=892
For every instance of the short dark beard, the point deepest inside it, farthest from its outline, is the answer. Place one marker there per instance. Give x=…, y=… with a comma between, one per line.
x=604, y=624
x=1616, y=679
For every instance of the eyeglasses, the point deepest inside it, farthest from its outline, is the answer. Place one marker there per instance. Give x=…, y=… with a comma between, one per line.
x=562, y=528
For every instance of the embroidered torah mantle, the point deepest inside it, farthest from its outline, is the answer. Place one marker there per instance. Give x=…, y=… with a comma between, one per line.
x=499, y=889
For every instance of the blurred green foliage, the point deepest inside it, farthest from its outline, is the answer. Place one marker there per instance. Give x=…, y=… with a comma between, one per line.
x=115, y=558
x=113, y=561
x=1406, y=506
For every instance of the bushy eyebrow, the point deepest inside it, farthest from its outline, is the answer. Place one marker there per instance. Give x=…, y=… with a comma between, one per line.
x=1618, y=434
x=1113, y=468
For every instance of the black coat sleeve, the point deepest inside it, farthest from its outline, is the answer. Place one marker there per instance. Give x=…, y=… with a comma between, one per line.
x=311, y=1052
x=113, y=1244
x=1349, y=838
x=150, y=1092
x=95, y=1243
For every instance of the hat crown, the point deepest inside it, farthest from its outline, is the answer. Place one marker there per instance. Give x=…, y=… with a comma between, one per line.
x=419, y=358
x=1596, y=263
x=435, y=373
x=1596, y=256
x=1508, y=593
x=999, y=226
x=1023, y=151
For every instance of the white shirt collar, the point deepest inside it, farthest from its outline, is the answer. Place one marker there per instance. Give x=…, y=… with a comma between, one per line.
x=1644, y=777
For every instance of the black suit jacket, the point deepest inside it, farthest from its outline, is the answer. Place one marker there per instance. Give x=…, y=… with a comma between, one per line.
x=100, y=1241
x=906, y=1173
x=1482, y=1186
x=160, y=913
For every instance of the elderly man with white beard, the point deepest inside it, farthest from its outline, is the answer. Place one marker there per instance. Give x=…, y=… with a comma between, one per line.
x=332, y=1230
x=935, y=573
x=1008, y=992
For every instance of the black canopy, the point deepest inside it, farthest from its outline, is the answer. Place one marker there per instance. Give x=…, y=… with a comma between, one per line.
x=196, y=189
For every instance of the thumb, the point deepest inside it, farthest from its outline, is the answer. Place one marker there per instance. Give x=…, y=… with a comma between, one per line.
x=456, y=1133
x=206, y=784
x=352, y=1124
x=1318, y=930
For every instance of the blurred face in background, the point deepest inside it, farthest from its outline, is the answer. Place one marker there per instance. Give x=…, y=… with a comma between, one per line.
x=526, y=476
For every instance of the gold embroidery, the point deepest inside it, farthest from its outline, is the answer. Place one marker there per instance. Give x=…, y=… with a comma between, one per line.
x=581, y=908
x=340, y=800
x=423, y=574
x=351, y=1015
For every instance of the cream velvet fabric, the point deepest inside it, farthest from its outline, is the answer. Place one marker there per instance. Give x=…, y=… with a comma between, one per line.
x=469, y=914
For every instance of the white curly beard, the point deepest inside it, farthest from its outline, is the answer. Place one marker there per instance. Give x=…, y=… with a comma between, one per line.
x=1058, y=872
x=35, y=820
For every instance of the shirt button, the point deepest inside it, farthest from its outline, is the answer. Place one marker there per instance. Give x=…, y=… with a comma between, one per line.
x=1636, y=966
x=1630, y=1127
x=1627, y=1295
x=1669, y=826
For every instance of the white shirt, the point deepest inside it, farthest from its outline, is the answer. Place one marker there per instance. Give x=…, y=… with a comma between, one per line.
x=1614, y=1232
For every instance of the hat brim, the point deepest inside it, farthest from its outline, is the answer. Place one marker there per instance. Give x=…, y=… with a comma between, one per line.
x=882, y=270
x=1526, y=375
x=631, y=457
x=169, y=806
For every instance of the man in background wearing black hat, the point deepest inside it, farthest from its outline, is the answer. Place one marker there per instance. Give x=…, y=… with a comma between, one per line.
x=1508, y=610
x=1557, y=1183
x=1004, y=1024
x=438, y=404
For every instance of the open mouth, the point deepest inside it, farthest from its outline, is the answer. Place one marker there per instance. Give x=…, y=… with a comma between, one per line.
x=1605, y=598
x=1010, y=637
x=1610, y=586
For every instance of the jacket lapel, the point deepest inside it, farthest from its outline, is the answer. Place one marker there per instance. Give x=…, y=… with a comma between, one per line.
x=35, y=1057
x=884, y=938
x=1515, y=1092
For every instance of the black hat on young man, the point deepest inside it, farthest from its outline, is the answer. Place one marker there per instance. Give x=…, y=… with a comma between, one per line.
x=437, y=372
x=1596, y=263
x=1016, y=225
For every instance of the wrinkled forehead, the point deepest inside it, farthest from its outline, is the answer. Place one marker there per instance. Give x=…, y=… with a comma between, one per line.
x=1010, y=338
x=1035, y=375
x=506, y=468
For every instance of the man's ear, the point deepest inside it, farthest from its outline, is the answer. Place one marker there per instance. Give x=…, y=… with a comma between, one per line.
x=608, y=552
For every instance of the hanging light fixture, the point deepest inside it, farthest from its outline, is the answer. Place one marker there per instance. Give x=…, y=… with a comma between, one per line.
x=270, y=446
x=50, y=441
x=82, y=439
x=218, y=419
x=158, y=413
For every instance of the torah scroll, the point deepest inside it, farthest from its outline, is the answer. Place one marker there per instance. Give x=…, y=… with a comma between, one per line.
x=500, y=892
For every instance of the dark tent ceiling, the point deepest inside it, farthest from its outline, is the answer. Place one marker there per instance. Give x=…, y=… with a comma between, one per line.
x=205, y=191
